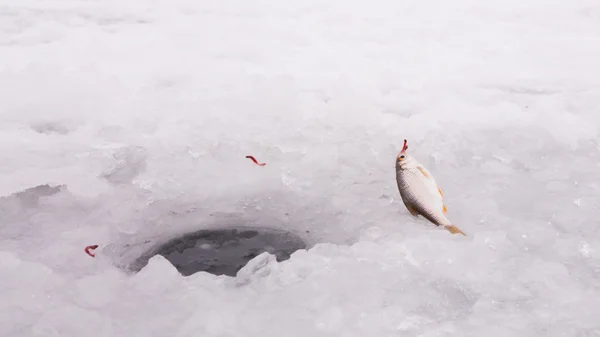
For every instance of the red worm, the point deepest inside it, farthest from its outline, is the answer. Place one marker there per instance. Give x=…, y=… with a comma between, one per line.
x=255, y=161
x=87, y=250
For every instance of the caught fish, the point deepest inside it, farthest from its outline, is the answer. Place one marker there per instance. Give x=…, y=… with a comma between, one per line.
x=420, y=192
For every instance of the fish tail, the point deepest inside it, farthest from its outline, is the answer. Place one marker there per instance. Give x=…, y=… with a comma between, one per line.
x=454, y=230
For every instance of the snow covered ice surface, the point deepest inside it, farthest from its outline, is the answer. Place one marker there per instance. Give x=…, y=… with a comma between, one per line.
x=138, y=116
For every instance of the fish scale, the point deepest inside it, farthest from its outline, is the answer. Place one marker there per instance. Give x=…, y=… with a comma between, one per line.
x=417, y=195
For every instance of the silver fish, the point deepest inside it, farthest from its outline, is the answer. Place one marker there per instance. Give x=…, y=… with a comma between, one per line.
x=420, y=192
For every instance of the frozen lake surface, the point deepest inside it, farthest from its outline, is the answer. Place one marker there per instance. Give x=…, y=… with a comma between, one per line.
x=125, y=124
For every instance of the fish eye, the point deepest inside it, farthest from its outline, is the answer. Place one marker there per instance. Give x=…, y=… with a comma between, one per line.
x=402, y=157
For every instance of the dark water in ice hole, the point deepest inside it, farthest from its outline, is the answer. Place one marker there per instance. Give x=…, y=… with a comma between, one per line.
x=223, y=251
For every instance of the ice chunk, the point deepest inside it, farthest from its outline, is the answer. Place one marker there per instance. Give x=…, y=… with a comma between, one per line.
x=259, y=267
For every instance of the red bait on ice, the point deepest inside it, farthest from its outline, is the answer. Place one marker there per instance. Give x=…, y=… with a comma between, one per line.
x=420, y=193
x=255, y=161
x=88, y=248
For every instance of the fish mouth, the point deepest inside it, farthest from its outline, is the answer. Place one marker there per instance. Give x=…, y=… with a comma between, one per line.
x=402, y=155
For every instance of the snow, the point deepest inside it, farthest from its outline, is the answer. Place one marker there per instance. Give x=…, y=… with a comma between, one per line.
x=142, y=113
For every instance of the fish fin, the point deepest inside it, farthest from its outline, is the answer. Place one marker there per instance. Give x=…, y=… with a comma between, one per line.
x=444, y=209
x=424, y=172
x=412, y=211
x=454, y=230
x=440, y=190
